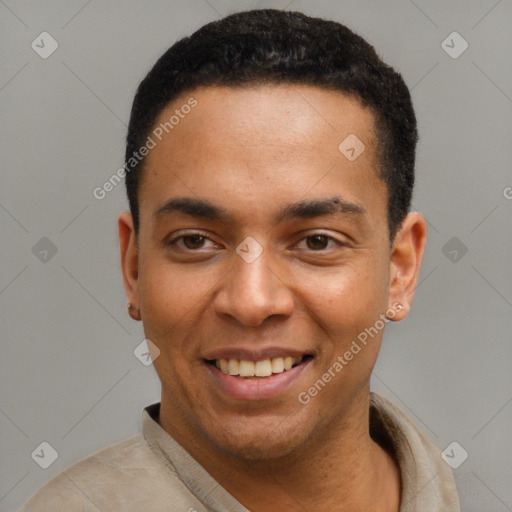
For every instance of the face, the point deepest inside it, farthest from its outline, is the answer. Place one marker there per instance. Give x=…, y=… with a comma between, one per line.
x=263, y=254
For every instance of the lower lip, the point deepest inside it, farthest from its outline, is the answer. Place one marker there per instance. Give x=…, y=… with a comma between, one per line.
x=258, y=388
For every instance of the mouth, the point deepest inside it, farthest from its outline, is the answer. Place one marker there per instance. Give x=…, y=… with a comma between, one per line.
x=262, y=369
x=246, y=380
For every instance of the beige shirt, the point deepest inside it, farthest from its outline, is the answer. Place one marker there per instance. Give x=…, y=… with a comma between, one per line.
x=152, y=472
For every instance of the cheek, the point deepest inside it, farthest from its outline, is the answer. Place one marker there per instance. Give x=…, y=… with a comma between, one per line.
x=347, y=307
x=348, y=298
x=172, y=305
x=172, y=300
x=164, y=300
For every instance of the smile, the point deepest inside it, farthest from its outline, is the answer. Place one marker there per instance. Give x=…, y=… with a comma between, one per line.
x=261, y=369
x=263, y=379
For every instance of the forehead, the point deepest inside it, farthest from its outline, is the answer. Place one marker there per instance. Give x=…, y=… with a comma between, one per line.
x=260, y=139
x=258, y=113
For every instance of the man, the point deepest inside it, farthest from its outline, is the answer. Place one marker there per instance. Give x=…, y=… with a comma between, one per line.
x=269, y=169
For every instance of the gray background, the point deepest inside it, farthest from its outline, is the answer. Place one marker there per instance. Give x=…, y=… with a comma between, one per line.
x=68, y=375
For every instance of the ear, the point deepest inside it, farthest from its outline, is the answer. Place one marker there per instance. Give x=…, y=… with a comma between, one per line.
x=406, y=256
x=129, y=258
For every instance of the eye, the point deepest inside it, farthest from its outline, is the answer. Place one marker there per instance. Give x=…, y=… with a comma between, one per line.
x=319, y=242
x=192, y=242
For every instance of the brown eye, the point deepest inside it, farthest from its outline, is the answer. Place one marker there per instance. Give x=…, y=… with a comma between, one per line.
x=193, y=241
x=317, y=242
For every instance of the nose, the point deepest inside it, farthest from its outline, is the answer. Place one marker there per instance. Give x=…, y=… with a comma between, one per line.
x=253, y=292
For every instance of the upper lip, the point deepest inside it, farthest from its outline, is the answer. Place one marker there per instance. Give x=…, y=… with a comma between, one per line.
x=254, y=355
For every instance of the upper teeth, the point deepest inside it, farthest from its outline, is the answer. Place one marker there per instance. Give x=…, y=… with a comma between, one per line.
x=263, y=368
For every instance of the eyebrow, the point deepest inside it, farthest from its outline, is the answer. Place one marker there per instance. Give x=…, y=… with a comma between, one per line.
x=317, y=208
x=301, y=209
x=193, y=207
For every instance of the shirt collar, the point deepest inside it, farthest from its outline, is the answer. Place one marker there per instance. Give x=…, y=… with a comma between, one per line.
x=213, y=496
x=427, y=481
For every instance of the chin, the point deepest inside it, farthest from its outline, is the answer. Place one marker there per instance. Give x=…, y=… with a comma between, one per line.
x=259, y=449
x=259, y=440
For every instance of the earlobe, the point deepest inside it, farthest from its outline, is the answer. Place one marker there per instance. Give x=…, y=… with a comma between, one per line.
x=129, y=262
x=134, y=312
x=406, y=256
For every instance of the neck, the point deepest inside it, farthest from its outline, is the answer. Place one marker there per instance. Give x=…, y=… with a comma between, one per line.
x=341, y=468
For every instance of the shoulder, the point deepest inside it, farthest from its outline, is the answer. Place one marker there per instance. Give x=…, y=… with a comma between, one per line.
x=119, y=477
x=427, y=480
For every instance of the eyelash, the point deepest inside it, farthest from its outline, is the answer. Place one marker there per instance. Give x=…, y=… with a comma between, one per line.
x=338, y=243
x=203, y=235
x=186, y=235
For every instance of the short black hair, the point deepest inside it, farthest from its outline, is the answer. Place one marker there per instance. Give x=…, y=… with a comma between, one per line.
x=270, y=46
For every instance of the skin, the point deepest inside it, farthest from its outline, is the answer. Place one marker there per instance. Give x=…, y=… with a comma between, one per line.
x=252, y=152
